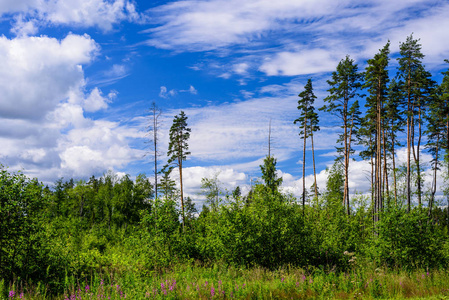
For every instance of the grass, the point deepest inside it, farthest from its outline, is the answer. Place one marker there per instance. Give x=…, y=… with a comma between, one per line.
x=220, y=282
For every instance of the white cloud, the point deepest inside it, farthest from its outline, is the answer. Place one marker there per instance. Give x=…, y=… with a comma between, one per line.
x=165, y=93
x=24, y=28
x=95, y=101
x=37, y=72
x=291, y=37
x=241, y=68
x=94, y=13
x=210, y=25
x=44, y=130
x=191, y=90
x=300, y=63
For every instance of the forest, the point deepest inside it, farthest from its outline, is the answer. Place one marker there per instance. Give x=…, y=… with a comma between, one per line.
x=114, y=237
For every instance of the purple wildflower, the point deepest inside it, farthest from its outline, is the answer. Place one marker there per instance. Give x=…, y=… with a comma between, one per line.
x=12, y=294
x=212, y=291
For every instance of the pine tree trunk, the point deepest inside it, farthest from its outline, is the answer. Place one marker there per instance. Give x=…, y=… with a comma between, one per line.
x=182, y=194
x=314, y=170
x=409, y=112
x=386, y=185
x=394, y=167
x=379, y=155
x=434, y=183
x=418, y=165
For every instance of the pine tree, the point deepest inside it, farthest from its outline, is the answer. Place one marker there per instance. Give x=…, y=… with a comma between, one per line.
x=444, y=96
x=410, y=75
x=178, y=150
x=435, y=140
x=167, y=186
x=308, y=124
x=376, y=80
x=344, y=88
x=395, y=124
x=269, y=175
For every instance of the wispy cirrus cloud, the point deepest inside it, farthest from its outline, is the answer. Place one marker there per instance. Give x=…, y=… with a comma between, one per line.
x=289, y=38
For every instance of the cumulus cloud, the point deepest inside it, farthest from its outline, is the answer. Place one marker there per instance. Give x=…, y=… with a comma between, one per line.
x=44, y=128
x=39, y=71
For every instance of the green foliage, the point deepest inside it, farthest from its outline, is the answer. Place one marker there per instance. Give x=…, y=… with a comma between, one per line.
x=269, y=176
x=210, y=187
x=308, y=117
x=408, y=240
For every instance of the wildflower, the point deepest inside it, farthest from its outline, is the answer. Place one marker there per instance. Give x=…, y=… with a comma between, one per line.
x=282, y=280
x=12, y=294
x=212, y=291
x=86, y=288
x=297, y=283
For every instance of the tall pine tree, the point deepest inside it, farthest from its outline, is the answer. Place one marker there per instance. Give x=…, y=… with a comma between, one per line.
x=308, y=124
x=376, y=80
x=178, y=150
x=342, y=103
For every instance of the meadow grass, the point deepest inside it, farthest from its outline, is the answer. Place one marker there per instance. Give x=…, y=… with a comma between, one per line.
x=221, y=282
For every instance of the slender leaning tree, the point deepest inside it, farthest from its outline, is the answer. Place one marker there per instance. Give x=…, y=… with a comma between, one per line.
x=342, y=103
x=308, y=124
x=178, y=150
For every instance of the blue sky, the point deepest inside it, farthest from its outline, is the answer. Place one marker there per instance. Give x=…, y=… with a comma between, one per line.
x=77, y=78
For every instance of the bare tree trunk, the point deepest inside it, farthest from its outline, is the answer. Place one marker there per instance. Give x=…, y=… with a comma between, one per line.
x=304, y=165
x=155, y=154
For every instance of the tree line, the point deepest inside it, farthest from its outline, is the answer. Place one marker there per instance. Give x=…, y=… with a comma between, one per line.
x=410, y=104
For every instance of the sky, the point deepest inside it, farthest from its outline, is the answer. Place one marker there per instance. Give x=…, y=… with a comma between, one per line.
x=77, y=79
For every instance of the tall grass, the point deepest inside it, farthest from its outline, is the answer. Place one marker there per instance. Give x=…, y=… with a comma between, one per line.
x=227, y=282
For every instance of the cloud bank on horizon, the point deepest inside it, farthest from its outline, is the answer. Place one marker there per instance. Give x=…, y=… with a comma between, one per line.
x=78, y=76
